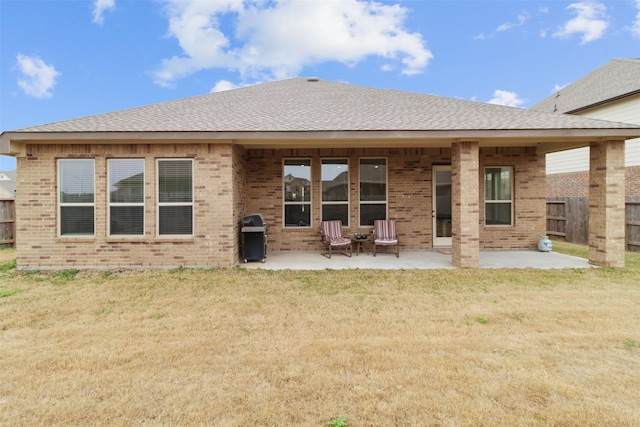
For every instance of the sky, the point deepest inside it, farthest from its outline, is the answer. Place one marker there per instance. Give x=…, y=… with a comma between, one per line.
x=63, y=59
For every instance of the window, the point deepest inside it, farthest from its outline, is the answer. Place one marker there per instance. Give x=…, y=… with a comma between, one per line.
x=373, y=190
x=175, y=197
x=297, y=192
x=76, y=197
x=335, y=190
x=498, y=195
x=126, y=197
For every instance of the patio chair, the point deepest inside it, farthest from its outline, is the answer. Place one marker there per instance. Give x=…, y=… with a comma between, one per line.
x=331, y=232
x=384, y=234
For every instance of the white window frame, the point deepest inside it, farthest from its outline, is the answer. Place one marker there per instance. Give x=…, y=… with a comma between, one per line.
x=111, y=204
x=491, y=201
x=83, y=204
x=373, y=202
x=161, y=204
x=341, y=202
x=286, y=203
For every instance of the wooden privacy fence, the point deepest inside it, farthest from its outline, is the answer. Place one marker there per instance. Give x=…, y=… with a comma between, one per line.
x=7, y=223
x=568, y=217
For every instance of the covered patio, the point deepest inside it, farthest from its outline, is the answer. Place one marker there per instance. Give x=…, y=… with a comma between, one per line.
x=415, y=259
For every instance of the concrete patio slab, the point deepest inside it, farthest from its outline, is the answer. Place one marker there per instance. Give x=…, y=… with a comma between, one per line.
x=427, y=259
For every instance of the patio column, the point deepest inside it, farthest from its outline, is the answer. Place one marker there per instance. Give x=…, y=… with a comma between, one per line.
x=607, y=204
x=465, y=204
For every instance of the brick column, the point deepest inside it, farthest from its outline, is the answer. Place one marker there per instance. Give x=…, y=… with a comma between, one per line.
x=465, y=204
x=607, y=204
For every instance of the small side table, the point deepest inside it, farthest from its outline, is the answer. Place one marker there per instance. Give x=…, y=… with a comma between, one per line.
x=358, y=244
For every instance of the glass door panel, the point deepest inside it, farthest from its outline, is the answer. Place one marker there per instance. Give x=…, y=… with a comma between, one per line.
x=442, y=206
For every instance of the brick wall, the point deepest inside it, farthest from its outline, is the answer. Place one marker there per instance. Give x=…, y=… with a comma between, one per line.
x=568, y=184
x=239, y=195
x=632, y=181
x=231, y=182
x=530, y=212
x=576, y=184
x=409, y=187
x=216, y=212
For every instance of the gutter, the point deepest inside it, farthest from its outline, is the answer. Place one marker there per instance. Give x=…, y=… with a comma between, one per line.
x=605, y=101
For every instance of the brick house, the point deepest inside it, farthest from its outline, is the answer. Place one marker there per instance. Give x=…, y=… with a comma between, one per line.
x=611, y=92
x=168, y=184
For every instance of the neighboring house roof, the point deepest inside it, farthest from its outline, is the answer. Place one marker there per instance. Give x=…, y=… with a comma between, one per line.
x=8, y=185
x=618, y=78
x=303, y=109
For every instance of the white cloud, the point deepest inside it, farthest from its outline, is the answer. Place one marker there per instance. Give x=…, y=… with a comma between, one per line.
x=99, y=7
x=276, y=39
x=522, y=19
x=37, y=79
x=591, y=21
x=223, y=85
x=635, y=27
x=558, y=88
x=503, y=97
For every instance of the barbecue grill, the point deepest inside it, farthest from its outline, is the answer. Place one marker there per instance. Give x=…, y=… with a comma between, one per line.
x=254, y=238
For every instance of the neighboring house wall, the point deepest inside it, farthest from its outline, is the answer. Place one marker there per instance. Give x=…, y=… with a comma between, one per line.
x=570, y=184
x=7, y=208
x=218, y=194
x=626, y=110
x=6, y=194
x=8, y=185
x=409, y=194
x=568, y=171
x=576, y=184
x=576, y=160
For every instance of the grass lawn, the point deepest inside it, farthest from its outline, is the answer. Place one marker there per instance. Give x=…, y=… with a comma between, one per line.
x=233, y=347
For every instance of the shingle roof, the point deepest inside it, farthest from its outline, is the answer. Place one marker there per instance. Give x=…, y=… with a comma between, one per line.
x=302, y=104
x=617, y=78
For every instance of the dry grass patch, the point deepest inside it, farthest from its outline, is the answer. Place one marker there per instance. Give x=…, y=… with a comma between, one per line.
x=233, y=347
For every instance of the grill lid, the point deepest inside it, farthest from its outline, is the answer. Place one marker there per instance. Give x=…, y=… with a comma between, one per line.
x=254, y=220
x=254, y=223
